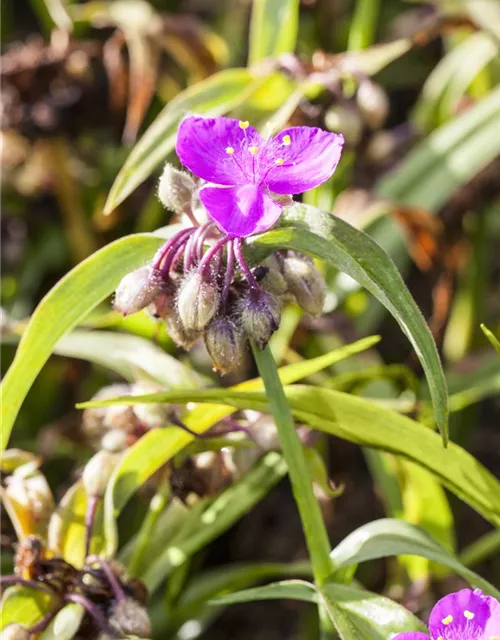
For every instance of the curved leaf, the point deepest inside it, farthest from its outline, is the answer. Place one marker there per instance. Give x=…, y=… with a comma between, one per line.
x=356, y=614
x=334, y=241
x=71, y=300
x=365, y=423
x=391, y=537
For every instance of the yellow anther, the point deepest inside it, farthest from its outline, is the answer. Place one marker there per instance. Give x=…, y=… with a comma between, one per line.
x=244, y=124
x=468, y=614
x=280, y=161
x=253, y=150
x=447, y=620
x=440, y=638
x=229, y=151
x=287, y=141
x=494, y=638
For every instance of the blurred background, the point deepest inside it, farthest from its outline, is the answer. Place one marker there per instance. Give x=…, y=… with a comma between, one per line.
x=414, y=89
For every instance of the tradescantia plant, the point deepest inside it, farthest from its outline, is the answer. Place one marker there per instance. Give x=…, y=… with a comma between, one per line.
x=168, y=458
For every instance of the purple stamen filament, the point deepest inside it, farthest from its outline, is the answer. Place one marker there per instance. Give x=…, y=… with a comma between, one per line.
x=118, y=592
x=243, y=265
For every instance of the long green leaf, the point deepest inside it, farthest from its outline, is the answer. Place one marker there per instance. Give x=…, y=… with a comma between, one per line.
x=356, y=614
x=274, y=27
x=390, y=537
x=212, y=97
x=353, y=252
x=71, y=300
x=365, y=423
x=24, y=606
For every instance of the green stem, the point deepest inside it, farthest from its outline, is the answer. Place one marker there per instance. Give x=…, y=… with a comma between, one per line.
x=315, y=532
x=364, y=24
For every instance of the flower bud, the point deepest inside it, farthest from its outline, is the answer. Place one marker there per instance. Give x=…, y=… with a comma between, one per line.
x=115, y=441
x=260, y=316
x=137, y=290
x=178, y=333
x=345, y=119
x=373, y=103
x=381, y=146
x=225, y=343
x=14, y=631
x=198, y=301
x=97, y=421
x=305, y=283
x=175, y=189
x=151, y=415
x=131, y=619
x=97, y=473
x=273, y=281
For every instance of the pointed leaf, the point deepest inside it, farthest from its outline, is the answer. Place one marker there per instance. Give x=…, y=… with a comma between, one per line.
x=334, y=241
x=71, y=300
x=274, y=27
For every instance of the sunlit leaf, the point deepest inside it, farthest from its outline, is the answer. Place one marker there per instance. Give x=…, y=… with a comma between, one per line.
x=491, y=337
x=389, y=537
x=331, y=239
x=63, y=308
x=365, y=423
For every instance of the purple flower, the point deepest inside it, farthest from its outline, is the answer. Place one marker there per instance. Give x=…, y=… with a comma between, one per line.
x=464, y=615
x=248, y=171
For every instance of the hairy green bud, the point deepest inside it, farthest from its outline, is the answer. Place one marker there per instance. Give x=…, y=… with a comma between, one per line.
x=305, y=283
x=131, y=619
x=225, y=343
x=180, y=335
x=175, y=189
x=198, y=301
x=273, y=281
x=260, y=316
x=97, y=473
x=137, y=290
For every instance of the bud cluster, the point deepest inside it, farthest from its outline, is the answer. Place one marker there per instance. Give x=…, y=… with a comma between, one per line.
x=115, y=428
x=200, y=285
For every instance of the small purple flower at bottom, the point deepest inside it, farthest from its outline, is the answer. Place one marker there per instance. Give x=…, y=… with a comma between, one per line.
x=464, y=615
x=250, y=174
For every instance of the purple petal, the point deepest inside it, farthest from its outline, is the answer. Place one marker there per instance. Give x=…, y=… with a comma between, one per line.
x=492, y=628
x=241, y=211
x=300, y=158
x=411, y=635
x=216, y=149
x=459, y=615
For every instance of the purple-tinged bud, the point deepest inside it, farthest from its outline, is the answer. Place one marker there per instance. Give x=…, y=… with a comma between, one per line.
x=345, y=119
x=198, y=301
x=373, y=103
x=178, y=333
x=260, y=316
x=97, y=473
x=14, y=631
x=225, y=343
x=131, y=619
x=175, y=189
x=273, y=281
x=164, y=302
x=137, y=290
x=305, y=283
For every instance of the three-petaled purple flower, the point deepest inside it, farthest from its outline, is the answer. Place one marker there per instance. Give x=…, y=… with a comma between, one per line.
x=250, y=173
x=464, y=615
